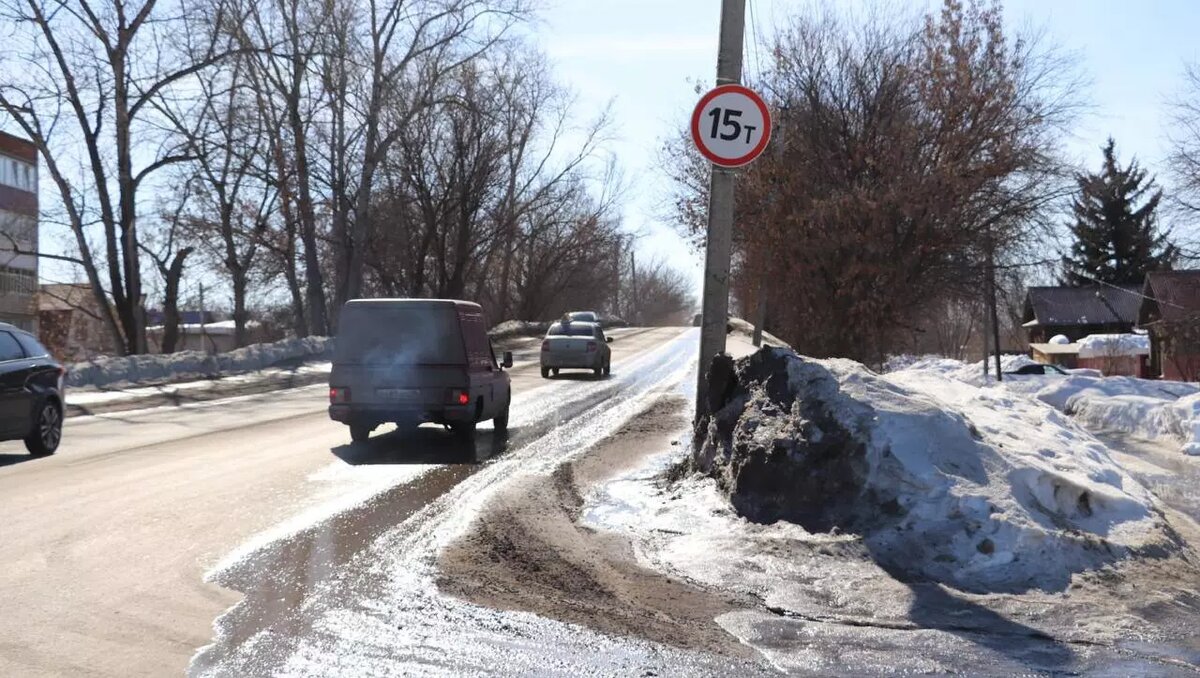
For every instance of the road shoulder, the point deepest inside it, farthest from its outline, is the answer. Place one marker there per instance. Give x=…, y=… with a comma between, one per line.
x=528, y=552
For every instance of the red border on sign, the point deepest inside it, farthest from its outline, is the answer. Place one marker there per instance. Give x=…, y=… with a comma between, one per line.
x=754, y=152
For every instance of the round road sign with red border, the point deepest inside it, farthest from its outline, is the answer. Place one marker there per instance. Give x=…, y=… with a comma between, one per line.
x=731, y=125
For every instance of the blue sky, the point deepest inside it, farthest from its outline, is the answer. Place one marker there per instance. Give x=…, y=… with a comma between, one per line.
x=644, y=55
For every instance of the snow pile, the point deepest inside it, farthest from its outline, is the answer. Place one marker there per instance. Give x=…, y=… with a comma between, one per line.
x=519, y=328
x=1060, y=340
x=943, y=480
x=895, y=363
x=107, y=371
x=1114, y=345
x=1140, y=407
x=948, y=368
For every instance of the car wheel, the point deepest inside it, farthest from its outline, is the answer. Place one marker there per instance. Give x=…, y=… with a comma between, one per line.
x=554, y=371
x=545, y=373
x=597, y=371
x=500, y=422
x=360, y=432
x=607, y=369
x=47, y=430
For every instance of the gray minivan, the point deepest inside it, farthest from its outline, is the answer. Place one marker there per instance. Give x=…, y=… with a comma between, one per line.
x=411, y=361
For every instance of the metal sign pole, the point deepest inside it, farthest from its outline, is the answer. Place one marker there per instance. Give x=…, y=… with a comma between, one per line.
x=720, y=210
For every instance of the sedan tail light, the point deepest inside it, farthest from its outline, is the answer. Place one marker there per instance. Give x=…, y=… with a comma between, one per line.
x=591, y=347
x=339, y=395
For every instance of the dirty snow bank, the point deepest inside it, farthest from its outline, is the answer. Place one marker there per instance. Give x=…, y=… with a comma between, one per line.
x=944, y=481
x=747, y=328
x=536, y=328
x=108, y=371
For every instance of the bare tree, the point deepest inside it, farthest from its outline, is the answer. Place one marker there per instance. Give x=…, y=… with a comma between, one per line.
x=82, y=72
x=917, y=152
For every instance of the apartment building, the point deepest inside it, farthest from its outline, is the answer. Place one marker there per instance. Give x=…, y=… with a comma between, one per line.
x=18, y=232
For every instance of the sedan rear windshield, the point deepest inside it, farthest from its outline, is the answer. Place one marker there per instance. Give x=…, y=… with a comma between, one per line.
x=572, y=330
x=379, y=335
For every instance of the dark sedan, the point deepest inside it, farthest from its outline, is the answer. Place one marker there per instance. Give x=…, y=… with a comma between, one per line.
x=31, y=392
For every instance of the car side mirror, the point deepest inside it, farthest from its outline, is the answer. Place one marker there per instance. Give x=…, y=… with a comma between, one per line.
x=608, y=340
x=507, y=359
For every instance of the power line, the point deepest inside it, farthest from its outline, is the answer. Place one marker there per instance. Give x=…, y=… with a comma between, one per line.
x=1127, y=291
x=754, y=41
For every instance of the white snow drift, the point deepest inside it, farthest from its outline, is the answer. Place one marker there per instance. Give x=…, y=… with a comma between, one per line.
x=1144, y=408
x=978, y=488
x=107, y=371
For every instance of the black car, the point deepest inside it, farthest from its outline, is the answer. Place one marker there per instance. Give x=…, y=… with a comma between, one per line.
x=31, y=392
x=1041, y=369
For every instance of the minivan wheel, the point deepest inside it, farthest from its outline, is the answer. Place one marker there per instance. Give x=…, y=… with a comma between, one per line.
x=607, y=369
x=360, y=432
x=47, y=430
x=545, y=373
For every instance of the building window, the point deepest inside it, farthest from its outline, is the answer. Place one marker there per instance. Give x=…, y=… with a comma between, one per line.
x=17, y=281
x=18, y=174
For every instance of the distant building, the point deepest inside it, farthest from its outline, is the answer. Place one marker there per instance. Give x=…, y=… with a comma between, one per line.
x=71, y=324
x=1076, y=312
x=214, y=337
x=1170, y=312
x=18, y=232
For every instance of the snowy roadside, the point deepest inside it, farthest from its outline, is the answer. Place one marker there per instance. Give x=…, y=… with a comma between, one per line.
x=151, y=380
x=967, y=528
x=1142, y=408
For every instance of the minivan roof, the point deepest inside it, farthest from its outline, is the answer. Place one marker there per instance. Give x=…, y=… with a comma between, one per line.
x=417, y=303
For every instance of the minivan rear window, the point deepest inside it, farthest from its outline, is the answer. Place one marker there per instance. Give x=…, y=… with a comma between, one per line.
x=371, y=334
x=572, y=330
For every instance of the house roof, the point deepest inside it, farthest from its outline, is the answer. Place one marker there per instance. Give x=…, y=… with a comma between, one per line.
x=1091, y=305
x=65, y=297
x=1170, y=295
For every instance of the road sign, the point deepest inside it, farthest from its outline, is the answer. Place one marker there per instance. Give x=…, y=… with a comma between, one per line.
x=731, y=125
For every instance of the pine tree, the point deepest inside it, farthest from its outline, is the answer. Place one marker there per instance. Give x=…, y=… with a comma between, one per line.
x=1116, y=241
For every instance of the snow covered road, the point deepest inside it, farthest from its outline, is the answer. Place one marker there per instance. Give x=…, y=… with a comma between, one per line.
x=107, y=542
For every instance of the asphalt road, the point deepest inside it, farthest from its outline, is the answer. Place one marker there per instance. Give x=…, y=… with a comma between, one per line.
x=107, y=542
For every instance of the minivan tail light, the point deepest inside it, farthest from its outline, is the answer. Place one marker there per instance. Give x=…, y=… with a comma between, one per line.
x=591, y=347
x=339, y=395
x=546, y=345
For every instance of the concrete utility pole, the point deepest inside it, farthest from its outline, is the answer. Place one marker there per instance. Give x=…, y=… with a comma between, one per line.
x=720, y=209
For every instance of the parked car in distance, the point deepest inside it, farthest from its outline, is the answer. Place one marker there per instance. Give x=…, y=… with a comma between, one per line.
x=412, y=361
x=583, y=317
x=576, y=345
x=31, y=392
x=1039, y=369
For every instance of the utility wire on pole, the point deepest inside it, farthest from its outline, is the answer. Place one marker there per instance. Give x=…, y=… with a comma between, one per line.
x=720, y=209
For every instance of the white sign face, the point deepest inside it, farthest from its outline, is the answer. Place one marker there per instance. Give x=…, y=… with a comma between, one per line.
x=731, y=125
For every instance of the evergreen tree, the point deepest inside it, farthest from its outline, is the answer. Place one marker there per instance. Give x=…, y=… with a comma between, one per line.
x=1116, y=240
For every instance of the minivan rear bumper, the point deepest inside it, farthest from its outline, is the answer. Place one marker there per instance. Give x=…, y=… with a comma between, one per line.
x=348, y=413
